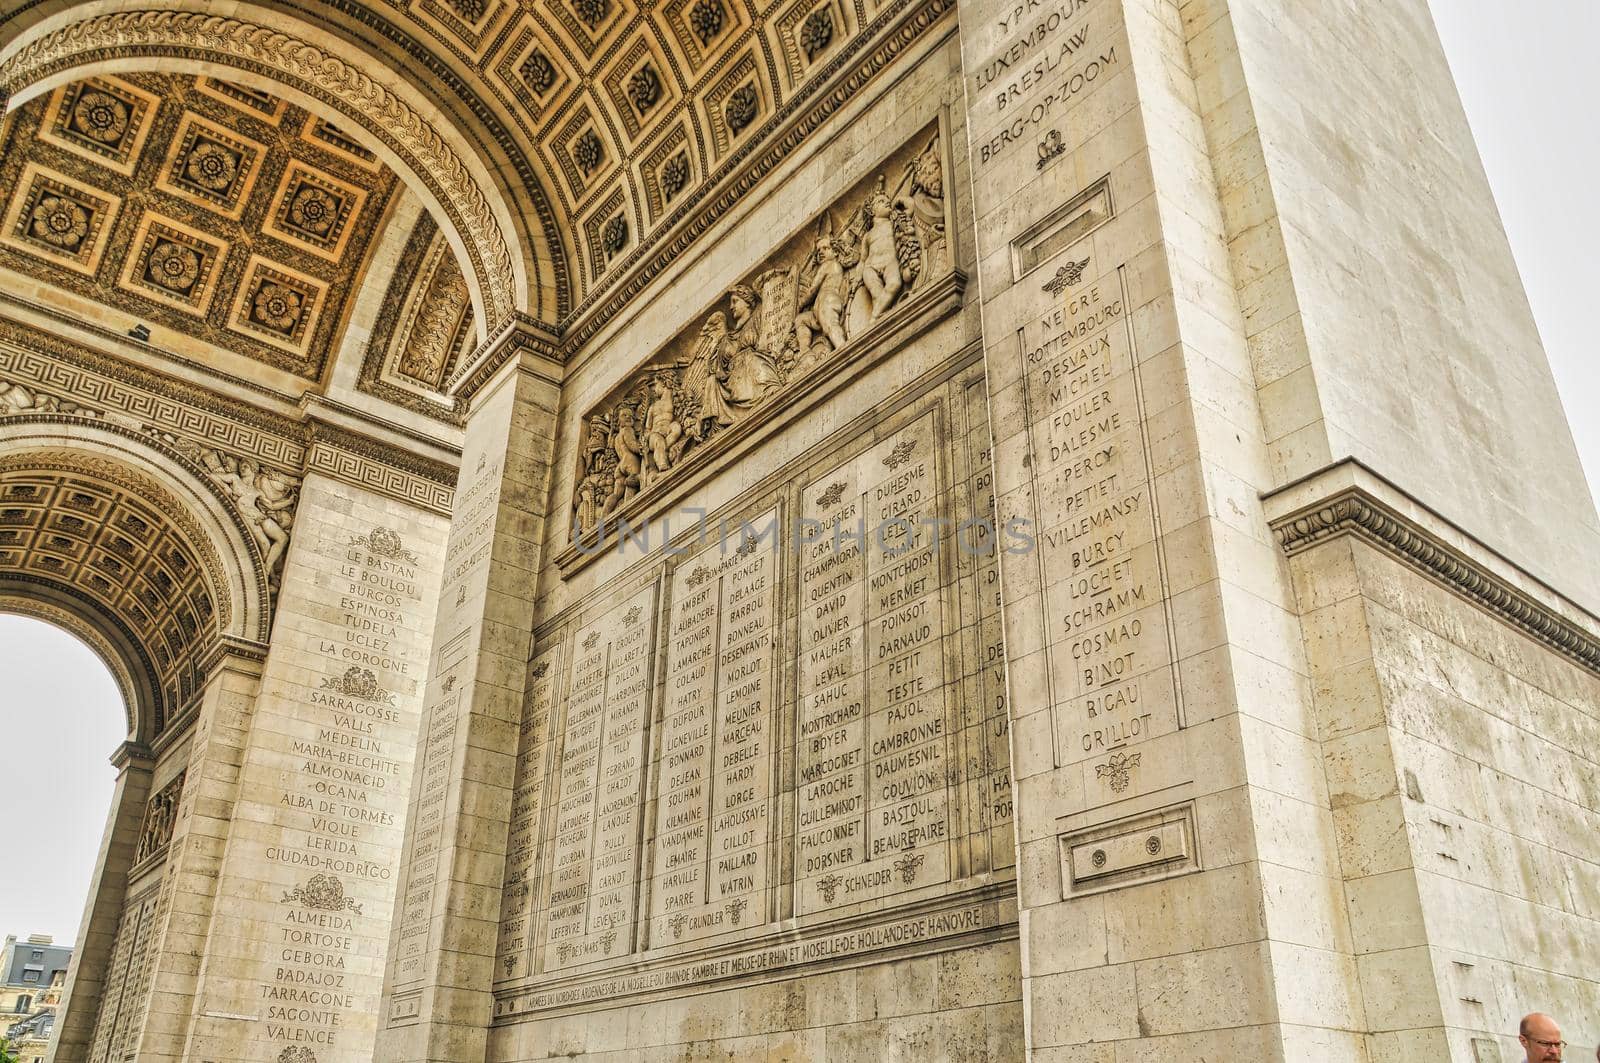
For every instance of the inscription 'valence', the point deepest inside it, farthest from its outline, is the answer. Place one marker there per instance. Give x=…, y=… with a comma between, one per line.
x=882, y=243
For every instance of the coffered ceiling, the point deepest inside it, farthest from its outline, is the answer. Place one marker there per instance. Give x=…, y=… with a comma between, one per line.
x=194, y=205
x=109, y=542
x=629, y=111
x=619, y=132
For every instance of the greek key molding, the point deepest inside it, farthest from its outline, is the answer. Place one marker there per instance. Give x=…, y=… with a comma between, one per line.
x=157, y=407
x=272, y=52
x=128, y=394
x=378, y=467
x=1354, y=511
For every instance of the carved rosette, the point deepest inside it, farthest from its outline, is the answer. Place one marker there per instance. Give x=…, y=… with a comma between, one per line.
x=821, y=293
x=232, y=41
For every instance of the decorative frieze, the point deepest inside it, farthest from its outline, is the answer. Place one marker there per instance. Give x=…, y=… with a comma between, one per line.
x=808, y=308
x=159, y=817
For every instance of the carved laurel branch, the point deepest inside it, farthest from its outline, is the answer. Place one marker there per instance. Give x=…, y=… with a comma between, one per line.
x=1358, y=514
x=248, y=44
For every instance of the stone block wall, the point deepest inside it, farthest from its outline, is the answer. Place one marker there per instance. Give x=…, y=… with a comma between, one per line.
x=958, y=1006
x=1386, y=318
x=1463, y=769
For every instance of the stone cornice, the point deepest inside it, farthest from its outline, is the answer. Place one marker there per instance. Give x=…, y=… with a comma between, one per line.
x=518, y=335
x=328, y=436
x=379, y=466
x=135, y=755
x=1361, y=504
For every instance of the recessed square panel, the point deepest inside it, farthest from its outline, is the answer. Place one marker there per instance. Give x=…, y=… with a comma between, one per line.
x=704, y=29
x=640, y=87
x=737, y=105
x=173, y=263
x=262, y=105
x=57, y=219
x=314, y=210
x=331, y=136
x=104, y=119
x=211, y=165
x=276, y=305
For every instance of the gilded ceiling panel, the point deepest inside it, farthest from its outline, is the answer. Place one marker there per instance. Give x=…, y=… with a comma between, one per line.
x=632, y=107
x=213, y=210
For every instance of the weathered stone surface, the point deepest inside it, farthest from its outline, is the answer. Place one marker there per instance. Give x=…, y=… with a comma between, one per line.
x=929, y=531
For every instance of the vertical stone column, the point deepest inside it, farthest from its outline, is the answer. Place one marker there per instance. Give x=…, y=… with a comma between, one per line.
x=437, y=1002
x=1175, y=853
x=80, y=1000
x=289, y=952
x=206, y=810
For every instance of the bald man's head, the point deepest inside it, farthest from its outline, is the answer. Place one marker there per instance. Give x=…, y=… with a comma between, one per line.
x=1540, y=1037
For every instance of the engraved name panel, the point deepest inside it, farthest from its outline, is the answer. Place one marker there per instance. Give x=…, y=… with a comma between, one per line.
x=714, y=797
x=527, y=808
x=1100, y=561
x=594, y=876
x=873, y=801
x=829, y=758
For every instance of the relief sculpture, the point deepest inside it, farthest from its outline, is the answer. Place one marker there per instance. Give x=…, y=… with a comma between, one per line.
x=882, y=243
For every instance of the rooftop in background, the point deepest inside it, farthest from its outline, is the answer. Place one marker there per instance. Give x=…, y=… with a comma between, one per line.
x=32, y=962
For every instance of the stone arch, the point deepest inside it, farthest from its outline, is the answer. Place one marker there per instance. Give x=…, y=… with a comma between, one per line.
x=127, y=544
x=506, y=256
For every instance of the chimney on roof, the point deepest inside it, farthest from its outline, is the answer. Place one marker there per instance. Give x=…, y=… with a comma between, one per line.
x=40, y=939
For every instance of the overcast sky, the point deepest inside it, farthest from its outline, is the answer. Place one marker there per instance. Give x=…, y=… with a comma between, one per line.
x=1529, y=86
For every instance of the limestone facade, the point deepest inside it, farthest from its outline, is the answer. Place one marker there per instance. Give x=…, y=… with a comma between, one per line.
x=796, y=531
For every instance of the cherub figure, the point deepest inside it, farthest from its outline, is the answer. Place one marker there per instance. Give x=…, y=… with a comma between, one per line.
x=625, y=445
x=661, y=430
x=824, y=297
x=880, y=262
x=261, y=500
x=275, y=498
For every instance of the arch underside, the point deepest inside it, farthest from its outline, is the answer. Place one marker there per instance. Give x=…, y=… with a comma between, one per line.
x=508, y=263
x=100, y=631
x=120, y=543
